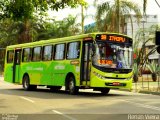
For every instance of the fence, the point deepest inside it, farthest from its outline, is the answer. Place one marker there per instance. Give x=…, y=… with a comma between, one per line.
x=145, y=83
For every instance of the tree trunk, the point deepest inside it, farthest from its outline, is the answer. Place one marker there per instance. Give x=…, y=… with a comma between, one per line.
x=24, y=35
x=135, y=78
x=82, y=15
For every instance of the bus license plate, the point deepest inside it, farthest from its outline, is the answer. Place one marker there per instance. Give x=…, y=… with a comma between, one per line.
x=116, y=83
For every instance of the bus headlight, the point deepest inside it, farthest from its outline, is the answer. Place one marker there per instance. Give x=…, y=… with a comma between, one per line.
x=98, y=75
x=111, y=78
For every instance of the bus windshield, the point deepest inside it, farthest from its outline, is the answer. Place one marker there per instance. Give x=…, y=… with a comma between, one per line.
x=111, y=55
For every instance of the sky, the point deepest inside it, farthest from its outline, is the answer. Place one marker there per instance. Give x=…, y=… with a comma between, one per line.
x=152, y=9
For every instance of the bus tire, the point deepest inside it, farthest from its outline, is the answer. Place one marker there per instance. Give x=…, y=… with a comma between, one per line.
x=105, y=91
x=72, y=86
x=26, y=83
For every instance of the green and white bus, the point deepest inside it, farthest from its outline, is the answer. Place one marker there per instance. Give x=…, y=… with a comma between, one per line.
x=98, y=61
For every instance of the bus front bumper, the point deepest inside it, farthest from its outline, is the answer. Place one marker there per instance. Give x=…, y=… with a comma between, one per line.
x=113, y=84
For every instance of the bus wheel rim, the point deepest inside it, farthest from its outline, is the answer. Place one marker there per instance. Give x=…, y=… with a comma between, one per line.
x=26, y=83
x=71, y=86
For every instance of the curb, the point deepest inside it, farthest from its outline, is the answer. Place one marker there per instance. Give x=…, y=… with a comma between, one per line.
x=149, y=92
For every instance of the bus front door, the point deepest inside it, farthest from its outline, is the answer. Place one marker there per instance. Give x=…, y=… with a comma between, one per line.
x=16, y=65
x=86, y=63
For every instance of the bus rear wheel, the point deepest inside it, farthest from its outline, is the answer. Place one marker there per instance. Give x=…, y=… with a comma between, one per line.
x=105, y=91
x=72, y=86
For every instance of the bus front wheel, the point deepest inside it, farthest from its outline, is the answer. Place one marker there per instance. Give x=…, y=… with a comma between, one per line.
x=26, y=84
x=72, y=86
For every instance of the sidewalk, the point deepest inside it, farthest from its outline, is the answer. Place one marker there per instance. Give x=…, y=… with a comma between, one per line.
x=146, y=87
x=1, y=77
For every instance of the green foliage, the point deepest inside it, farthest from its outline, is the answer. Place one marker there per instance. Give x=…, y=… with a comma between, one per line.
x=135, y=69
x=8, y=32
x=11, y=31
x=142, y=56
x=90, y=28
x=153, y=67
x=109, y=14
x=24, y=9
x=135, y=72
x=141, y=42
x=60, y=4
x=17, y=9
x=56, y=29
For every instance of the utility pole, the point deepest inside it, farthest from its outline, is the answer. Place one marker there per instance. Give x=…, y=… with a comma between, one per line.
x=118, y=16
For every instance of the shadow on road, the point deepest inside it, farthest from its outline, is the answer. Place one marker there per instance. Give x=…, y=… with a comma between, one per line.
x=61, y=94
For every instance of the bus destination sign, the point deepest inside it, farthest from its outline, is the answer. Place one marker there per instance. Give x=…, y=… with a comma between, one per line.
x=113, y=38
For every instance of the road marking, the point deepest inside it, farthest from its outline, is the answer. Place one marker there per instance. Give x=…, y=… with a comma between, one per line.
x=143, y=105
x=57, y=112
x=27, y=99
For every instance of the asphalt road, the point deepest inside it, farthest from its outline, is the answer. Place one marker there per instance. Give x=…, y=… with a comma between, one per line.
x=17, y=104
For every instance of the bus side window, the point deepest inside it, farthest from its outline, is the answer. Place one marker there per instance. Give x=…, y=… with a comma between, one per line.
x=36, y=54
x=73, y=50
x=47, y=53
x=10, y=56
x=26, y=55
x=59, y=51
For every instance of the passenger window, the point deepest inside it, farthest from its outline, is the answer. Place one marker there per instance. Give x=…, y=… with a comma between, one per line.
x=47, y=52
x=36, y=54
x=59, y=52
x=26, y=55
x=73, y=50
x=10, y=56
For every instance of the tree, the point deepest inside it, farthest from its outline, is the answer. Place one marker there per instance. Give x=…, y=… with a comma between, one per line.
x=90, y=28
x=40, y=29
x=66, y=27
x=8, y=32
x=84, y=15
x=144, y=6
x=154, y=68
x=23, y=10
x=108, y=13
x=82, y=19
x=142, y=55
x=11, y=30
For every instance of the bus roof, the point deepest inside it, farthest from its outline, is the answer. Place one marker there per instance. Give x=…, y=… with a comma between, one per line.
x=69, y=38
